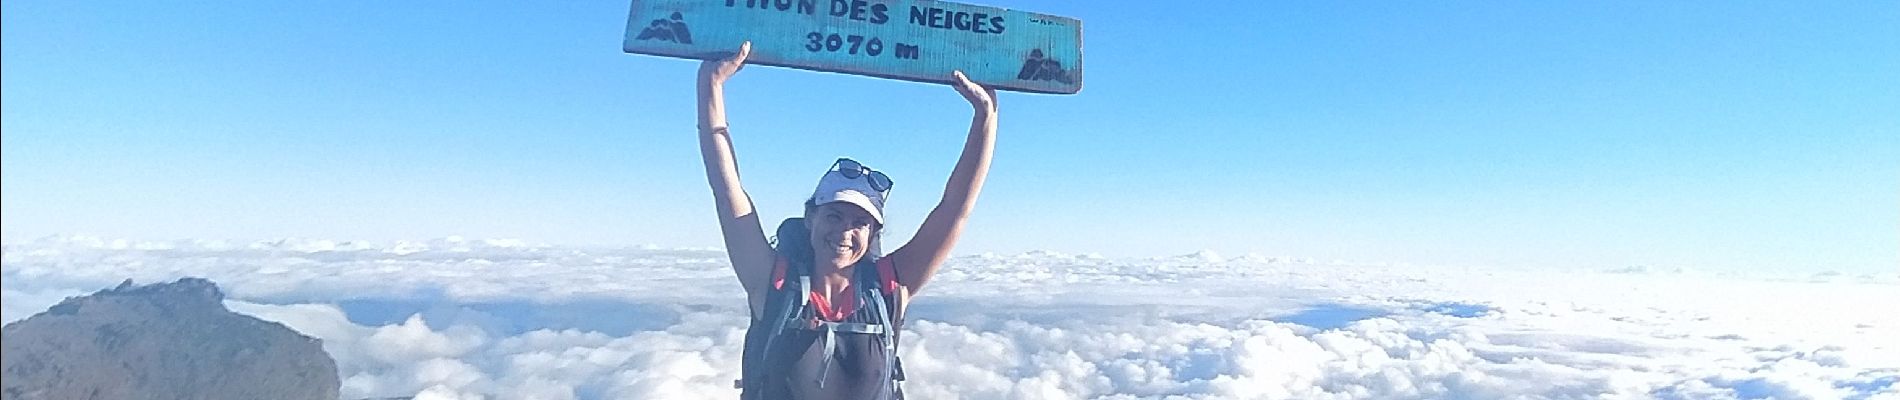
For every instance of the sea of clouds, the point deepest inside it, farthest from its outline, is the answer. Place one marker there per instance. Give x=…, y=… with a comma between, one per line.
x=468, y=319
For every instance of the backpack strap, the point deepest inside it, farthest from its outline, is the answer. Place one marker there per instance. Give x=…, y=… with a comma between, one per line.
x=887, y=275
x=781, y=306
x=884, y=271
x=778, y=273
x=788, y=310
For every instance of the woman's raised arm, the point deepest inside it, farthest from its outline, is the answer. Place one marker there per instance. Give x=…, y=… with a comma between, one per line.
x=746, y=246
x=919, y=259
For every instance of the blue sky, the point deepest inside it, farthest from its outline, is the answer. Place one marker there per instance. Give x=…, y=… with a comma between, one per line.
x=1706, y=135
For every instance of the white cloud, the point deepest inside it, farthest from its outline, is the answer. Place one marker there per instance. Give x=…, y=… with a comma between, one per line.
x=458, y=318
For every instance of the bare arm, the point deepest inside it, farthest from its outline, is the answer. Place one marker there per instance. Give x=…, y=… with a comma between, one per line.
x=919, y=259
x=746, y=246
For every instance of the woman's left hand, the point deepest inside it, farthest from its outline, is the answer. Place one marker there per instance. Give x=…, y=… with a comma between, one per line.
x=981, y=98
x=717, y=70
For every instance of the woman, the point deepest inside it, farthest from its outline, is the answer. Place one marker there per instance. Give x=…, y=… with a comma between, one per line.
x=826, y=308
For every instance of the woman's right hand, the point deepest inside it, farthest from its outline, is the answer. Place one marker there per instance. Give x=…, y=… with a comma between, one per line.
x=717, y=70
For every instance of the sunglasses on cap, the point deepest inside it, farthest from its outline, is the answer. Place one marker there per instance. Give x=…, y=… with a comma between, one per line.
x=853, y=170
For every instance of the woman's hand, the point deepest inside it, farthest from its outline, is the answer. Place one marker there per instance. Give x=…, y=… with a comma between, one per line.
x=716, y=71
x=981, y=98
x=712, y=83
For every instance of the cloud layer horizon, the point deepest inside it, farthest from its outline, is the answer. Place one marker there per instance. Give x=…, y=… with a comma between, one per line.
x=458, y=318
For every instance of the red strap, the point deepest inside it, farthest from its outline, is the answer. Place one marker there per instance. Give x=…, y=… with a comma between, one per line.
x=887, y=274
x=778, y=274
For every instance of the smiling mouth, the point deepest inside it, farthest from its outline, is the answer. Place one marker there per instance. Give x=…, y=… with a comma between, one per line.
x=841, y=248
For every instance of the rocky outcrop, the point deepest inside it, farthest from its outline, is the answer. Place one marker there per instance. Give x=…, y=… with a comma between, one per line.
x=166, y=341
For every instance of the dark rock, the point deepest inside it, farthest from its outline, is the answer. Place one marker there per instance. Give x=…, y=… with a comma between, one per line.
x=166, y=341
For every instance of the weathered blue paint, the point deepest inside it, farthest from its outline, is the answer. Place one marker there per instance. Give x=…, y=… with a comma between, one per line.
x=916, y=40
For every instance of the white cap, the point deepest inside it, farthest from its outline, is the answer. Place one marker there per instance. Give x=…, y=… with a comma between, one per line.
x=835, y=187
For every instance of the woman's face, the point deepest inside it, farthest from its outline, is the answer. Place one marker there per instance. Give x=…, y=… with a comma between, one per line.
x=840, y=233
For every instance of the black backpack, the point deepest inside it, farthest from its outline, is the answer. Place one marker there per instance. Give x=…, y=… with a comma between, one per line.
x=785, y=307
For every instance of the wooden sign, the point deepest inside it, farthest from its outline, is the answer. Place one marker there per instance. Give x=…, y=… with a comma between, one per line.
x=915, y=40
